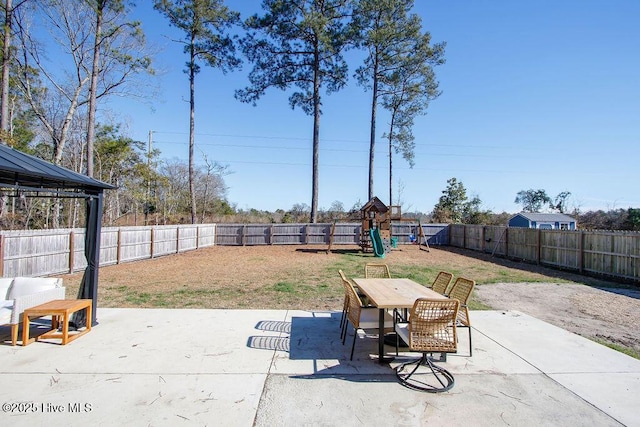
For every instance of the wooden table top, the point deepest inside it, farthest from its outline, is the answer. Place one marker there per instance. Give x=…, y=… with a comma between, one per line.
x=394, y=293
x=59, y=306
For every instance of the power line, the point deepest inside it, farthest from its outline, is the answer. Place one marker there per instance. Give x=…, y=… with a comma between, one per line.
x=381, y=150
x=359, y=141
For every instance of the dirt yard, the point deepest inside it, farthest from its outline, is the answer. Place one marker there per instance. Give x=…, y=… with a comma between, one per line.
x=608, y=314
x=305, y=277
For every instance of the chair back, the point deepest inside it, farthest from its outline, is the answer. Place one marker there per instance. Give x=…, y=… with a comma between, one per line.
x=461, y=290
x=374, y=270
x=344, y=278
x=441, y=283
x=355, y=304
x=432, y=325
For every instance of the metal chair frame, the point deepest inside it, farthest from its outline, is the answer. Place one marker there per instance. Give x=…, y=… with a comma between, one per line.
x=461, y=290
x=431, y=329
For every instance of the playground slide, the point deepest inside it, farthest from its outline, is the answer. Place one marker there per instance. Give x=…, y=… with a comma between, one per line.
x=376, y=242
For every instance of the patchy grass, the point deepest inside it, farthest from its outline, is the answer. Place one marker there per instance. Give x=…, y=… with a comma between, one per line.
x=478, y=305
x=618, y=347
x=286, y=277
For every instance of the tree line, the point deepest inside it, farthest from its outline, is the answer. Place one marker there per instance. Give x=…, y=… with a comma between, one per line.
x=454, y=206
x=50, y=107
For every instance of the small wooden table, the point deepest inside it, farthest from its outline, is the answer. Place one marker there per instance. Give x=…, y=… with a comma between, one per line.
x=392, y=293
x=56, y=309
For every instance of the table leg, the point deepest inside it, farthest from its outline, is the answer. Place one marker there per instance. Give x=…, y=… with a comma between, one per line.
x=381, y=335
x=65, y=328
x=25, y=330
x=89, y=320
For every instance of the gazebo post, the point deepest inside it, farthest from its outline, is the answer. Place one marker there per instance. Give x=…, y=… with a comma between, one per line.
x=94, y=226
x=89, y=284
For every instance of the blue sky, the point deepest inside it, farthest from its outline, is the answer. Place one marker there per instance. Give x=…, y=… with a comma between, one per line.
x=535, y=95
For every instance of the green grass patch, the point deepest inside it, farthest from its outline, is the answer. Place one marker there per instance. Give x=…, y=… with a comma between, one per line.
x=285, y=287
x=621, y=348
x=138, y=298
x=477, y=305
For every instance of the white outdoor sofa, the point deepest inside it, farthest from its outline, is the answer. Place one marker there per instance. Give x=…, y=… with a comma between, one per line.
x=19, y=293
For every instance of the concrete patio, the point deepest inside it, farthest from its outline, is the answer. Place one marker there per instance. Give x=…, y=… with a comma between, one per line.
x=277, y=367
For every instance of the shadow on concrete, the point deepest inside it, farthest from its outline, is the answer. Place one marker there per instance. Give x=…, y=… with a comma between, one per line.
x=315, y=338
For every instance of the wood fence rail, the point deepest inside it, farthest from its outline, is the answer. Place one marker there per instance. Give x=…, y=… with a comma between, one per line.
x=615, y=255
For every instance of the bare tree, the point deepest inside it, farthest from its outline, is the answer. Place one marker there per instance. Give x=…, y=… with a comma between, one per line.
x=204, y=23
x=70, y=27
x=211, y=185
x=110, y=25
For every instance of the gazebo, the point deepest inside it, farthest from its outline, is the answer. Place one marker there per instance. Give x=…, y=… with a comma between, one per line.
x=26, y=175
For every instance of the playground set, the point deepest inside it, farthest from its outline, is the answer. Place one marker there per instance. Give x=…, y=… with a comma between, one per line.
x=376, y=232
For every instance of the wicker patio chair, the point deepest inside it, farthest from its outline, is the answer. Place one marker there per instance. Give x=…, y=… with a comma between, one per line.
x=345, y=305
x=461, y=290
x=374, y=270
x=363, y=298
x=362, y=317
x=441, y=283
x=431, y=329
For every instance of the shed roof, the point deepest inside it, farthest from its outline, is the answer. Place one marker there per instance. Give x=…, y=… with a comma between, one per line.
x=551, y=217
x=21, y=170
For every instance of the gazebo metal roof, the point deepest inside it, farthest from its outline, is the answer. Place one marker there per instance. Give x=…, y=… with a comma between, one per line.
x=25, y=172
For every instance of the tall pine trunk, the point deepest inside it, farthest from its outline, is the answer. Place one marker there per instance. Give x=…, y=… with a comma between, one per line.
x=316, y=134
x=372, y=142
x=91, y=119
x=192, y=107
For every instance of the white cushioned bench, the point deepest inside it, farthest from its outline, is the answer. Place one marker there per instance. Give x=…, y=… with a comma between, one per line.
x=19, y=293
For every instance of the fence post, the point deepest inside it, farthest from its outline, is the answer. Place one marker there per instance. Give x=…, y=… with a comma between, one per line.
x=506, y=242
x=153, y=235
x=581, y=252
x=538, y=245
x=1, y=255
x=72, y=251
x=464, y=236
x=177, y=239
x=118, y=246
x=197, y=236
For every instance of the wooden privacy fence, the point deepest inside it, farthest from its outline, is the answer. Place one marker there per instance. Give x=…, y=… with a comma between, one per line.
x=61, y=251
x=46, y=252
x=310, y=234
x=613, y=254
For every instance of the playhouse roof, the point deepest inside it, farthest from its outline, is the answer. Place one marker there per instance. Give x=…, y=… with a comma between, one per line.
x=374, y=204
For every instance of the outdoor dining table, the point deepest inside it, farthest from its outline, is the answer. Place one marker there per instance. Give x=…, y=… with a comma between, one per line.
x=389, y=294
